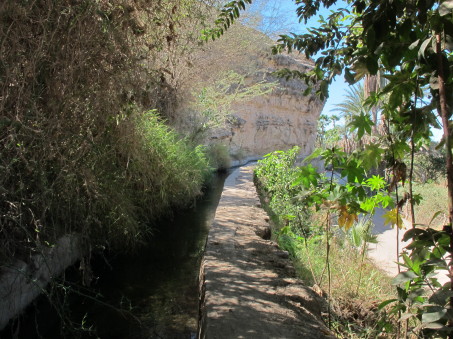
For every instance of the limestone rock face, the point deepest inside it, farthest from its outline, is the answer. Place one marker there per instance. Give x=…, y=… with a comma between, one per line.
x=275, y=121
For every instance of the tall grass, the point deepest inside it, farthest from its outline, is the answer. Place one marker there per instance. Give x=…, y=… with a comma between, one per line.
x=160, y=171
x=114, y=192
x=79, y=150
x=346, y=266
x=434, y=199
x=170, y=169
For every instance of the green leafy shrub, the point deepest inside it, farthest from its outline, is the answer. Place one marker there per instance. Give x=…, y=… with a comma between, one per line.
x=306, y=204
x=219, y=156
x=275, y=175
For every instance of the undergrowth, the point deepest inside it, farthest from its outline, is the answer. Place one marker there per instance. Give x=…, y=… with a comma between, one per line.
x=357, y=286
x=80, y=150
x=86, y=90
x=433, y=207
x=326, y=257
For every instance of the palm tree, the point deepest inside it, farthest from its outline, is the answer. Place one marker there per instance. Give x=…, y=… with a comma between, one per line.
x=353, y=104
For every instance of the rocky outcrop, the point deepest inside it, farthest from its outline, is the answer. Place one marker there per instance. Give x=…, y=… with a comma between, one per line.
x=275, y=121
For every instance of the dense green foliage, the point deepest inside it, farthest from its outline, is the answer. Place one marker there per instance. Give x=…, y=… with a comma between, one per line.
x=276, y=174
x=80, y=150
x=302, y=204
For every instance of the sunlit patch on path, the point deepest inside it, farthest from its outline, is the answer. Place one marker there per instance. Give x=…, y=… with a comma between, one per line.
x=249, y=288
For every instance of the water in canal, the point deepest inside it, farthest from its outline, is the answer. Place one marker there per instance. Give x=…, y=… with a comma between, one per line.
x=150, y=294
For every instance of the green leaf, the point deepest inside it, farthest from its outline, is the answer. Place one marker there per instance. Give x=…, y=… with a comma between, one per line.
x=324, y=88
x=319, y=73
x=362, y=123
x=360, y=68
x=376, y=182
x=371, y=156
x=434, y=326
x=430, y=317
x=441, y=297
x=413, y=233
x=285, y=230
x=386, y=201
x=435, y=216
x=403, y=277
x=410, y=264
x=446, y=7
x=349, y=77
x=449, y=38
x=307, y=176
x=372, y=65
x=394, y=58
x=422, y=50
x=353, y=171
x=368, y=205
x=316, y=153
x=414, y=44
x=371, y=38
x=385, y=303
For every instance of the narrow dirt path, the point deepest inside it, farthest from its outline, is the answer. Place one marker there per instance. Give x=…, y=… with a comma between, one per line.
x=384, y=253
x=248, y=284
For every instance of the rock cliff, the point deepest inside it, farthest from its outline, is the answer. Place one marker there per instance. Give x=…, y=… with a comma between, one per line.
x=274, y=121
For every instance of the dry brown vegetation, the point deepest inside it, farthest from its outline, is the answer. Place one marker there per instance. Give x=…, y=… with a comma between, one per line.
x=75, y=80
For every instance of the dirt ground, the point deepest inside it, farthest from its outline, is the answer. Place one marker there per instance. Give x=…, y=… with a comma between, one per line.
x=384, y=252
x=248, y=285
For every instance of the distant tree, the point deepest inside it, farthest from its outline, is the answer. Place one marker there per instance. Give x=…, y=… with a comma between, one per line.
x=334, y=118
x=372, y=85
x=353, y=103
x=352, y=106
x=329, y=134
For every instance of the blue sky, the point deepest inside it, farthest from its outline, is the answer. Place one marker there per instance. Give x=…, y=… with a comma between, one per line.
x=286, y=13
x=286, y=10
x=338, y=88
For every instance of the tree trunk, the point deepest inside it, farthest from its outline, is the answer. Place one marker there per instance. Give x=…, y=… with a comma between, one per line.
x=372, y=84
x=443, y=110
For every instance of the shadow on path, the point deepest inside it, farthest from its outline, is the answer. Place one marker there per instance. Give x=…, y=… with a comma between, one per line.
x=249, y=285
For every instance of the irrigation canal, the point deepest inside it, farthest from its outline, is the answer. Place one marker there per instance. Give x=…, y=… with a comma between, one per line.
x=152, y=293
